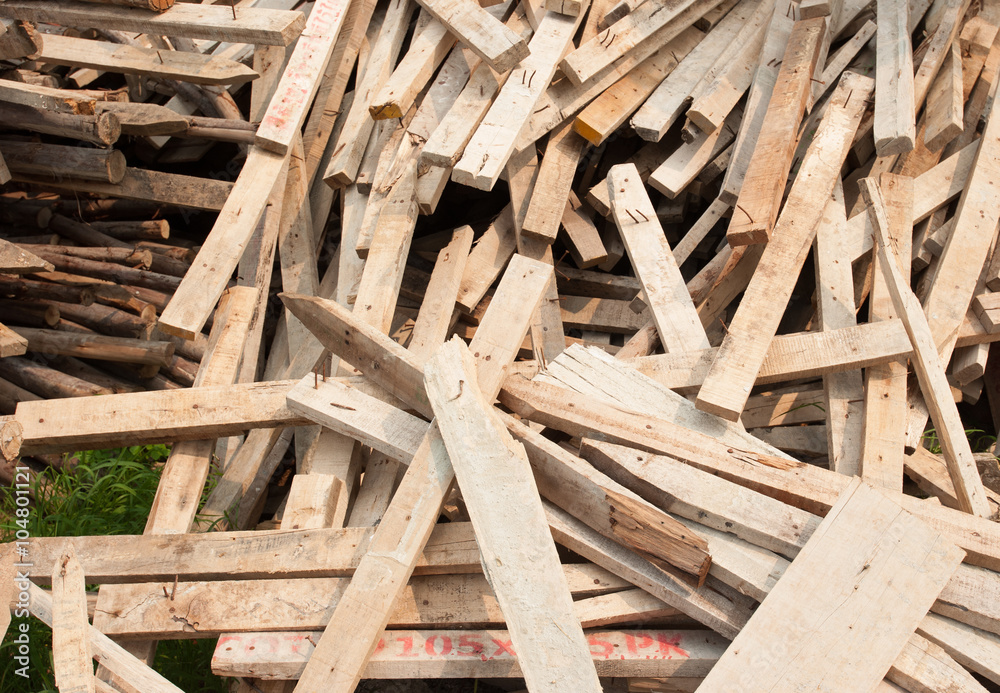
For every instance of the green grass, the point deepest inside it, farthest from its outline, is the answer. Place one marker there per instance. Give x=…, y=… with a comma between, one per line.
x=107, y=492
x=979, y=440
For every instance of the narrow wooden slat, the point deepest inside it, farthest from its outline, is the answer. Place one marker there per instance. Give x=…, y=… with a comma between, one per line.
x=895, y=118
x=500, y=47
x=756, y=210
x=677, y=320
x=211, y=23
x=864, y=531
x=735, y=369
x=554, y=184
x=927, y=363
x=71, y=650
x=523, y=569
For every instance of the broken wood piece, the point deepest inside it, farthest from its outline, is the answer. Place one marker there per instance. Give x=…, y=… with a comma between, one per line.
x=756, y=210
x=735, y=369
x=683, y=166
x=945, y=104
x=554, y=184
x=927, y=363
x=524, y=573
x=677, y=321
x=869, y=532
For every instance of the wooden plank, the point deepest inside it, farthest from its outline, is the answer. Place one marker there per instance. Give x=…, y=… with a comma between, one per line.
x=756, y=210
x=669, y=99
x=499, y=46
x=945, y=105
x=286, y=110
x=924, y=666
x=247, y=555
x=437, y=308
x=976, y=650
x=113, y=656
x=885, y=384
x=677, y=321
x=842, y=392
x=554, y=185
x=895, y=129
x=71, y=653
x=864, y=531
x=583, y=240
x=427, y=51
x=492, y=145
x=601, y=314
x=197, y=68
x=16, y=260
x=735, y=369
x=704, y=498
x=790, y=357
x=211, y=23
x=928, y=364
x=639, y=35
x=487, y=260
x=497, y=486
x=254, y=606
x=363, y=611
x=153, y=417
x=202, y=286
x=683, y=166
x=471, y=654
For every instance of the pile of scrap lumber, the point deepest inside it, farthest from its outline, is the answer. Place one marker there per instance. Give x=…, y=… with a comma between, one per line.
x=518, y=455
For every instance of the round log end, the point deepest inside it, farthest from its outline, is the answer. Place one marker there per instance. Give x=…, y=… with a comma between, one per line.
x=116, y=166
x=51, y=316
x=160, y=5
x=148, y=314
x=87, y=296
x=11, y=435
x=109, y=127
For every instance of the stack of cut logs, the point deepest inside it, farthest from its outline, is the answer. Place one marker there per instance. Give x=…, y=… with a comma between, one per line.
x=679, y=403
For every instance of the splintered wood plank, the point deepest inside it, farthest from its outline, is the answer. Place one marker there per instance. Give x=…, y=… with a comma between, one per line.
x=438, y=306
x=735, y=369
x=492, y=145
x=220, y=254
x=759, y=200
x=928, y=364
x=881, y=569
x=895, y=117
x=133, y=672
x=352, y=635
x=153, y=417
x=976, y=650
x=554, y=184
x=885, y=384
x=207, y=22
x=499, y=46
x=670, y=98
x=842, y=392
x=639, y=34
x=299, y=83
x=521, y=565
x=945, y=104
x=487, y=260
x=16, y=260
x=197, y=68
x=71, y=653
x=583, y=240
x=677, y=321
x=472, y=654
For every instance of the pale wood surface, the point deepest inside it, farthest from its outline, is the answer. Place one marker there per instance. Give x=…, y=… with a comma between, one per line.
x=677, y=321
x=209, y=22
x=71, y=651
x=728, y=382
x=928, y=364
x=865, y=531
x=895, y=119
x=522, y=566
